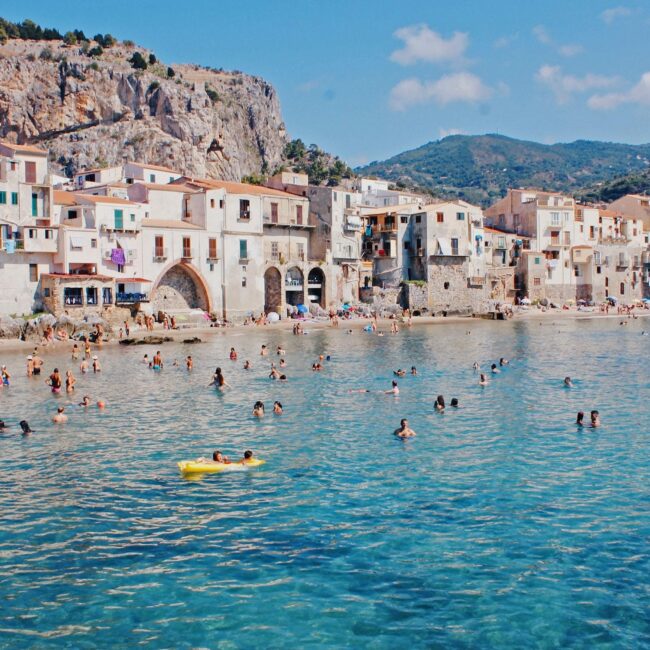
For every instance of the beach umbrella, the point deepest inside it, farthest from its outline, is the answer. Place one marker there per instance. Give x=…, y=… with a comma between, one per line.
x=273, y=317
x=303, y=309
x=646, y=300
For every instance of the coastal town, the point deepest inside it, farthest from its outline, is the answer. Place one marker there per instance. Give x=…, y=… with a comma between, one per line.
x=142, y=238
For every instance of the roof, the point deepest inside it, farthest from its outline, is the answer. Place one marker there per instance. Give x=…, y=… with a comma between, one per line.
x=83, y=172
x=62, y=197
x=233, y=187
x=164, y=223
x=581, y=246
x=23, y=148
x=160, y=168
x=167, y=187
x=104, y=199
x=504, y=232
x=77, y=276
x=127, y=280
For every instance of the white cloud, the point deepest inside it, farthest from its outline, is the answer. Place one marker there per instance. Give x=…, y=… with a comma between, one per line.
x=638, y=94
x=564, y=86
x=567, y=49
x=423, y=44
x=505, y=41
x=458, y=87
x=447, y=132
x=610, y=15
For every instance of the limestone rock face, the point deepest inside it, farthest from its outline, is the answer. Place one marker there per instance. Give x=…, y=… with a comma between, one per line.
x=94, y=112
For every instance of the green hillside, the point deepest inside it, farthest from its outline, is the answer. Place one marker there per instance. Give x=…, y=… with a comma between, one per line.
x=481, y=168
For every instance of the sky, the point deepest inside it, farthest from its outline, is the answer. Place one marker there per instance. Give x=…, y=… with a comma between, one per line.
x=367, y=80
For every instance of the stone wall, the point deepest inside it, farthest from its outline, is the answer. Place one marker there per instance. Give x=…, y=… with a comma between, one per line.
x=176, y=291
x=416, y=297
x=449, y=290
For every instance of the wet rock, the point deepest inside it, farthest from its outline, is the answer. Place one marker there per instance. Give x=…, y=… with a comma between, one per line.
x=35, y=328
x=10, y=328
x=147, y=340
x=194, y=339
x=66, y=324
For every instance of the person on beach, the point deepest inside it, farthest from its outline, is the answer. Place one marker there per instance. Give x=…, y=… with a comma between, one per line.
x=219, y=380
x=404, y=430
x=75, y=352
x=60, y=417
x=96, y=365
x=189, y=363
x=394, y=389
x=4, y=374
x=579, y=418
x=83, y=366
x=127, y=330
x=54, y=381
x=483, y=380
x=595, y=419
x=440, y=403
x=277, y=408
x=70, y=381
x=233, y=354
x=568, y=383
x=258, y=409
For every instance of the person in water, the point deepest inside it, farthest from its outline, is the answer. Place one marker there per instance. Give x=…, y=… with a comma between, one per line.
x=75, y=352
x=494, y=369
x=247, y=365
x=83, y=366
x=24, y=425
x=283, y=363
x=264, y=351
x=54, y=381
x=30, y=365
x=233, y=354
x=218, y=457
x=316, y=367
x=157, y=361
x=399, y=372
x=275, y=373
x=567, y=382
x=219, y=380
x=37, y=363
x=595, y=419
x=70, y=381
x=96, y=366
x=280, y=351
x=394, y=389
x=248, y=457
x=404, y=430
x=454, y=402
x=60, y=417
x=258, y=409
x=4, y=373
x=440, y=403
x=414, y=371
x=579, y=418
x=85, y=401
x=503, y=362
x=189, y=363
x=277, y=408
x=483, y=381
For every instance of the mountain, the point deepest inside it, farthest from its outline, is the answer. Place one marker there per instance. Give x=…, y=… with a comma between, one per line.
x=481, y=168
x=608, y=191
x=96, y=102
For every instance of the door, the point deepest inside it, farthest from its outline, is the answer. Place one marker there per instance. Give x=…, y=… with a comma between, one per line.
x=274, y=213
x=187, y=247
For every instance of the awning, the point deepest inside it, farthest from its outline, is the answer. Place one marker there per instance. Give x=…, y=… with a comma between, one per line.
x=76, y=242
x=354, y=221
x=444, y=246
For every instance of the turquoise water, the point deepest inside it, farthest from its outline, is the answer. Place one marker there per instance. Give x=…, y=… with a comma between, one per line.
x=500, y=525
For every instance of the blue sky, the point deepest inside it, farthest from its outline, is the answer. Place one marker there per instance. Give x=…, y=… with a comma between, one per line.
x=366, y=80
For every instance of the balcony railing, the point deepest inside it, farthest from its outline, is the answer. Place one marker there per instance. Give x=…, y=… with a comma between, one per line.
x=131, y=298
x=188, y=253
x=160, y=254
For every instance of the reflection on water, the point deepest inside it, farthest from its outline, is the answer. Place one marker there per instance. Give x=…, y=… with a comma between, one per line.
x=500, y=524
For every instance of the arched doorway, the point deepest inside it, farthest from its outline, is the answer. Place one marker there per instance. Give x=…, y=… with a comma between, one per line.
x=316, y=287
x=272, y=290
x=180, y=288
x=294, y=287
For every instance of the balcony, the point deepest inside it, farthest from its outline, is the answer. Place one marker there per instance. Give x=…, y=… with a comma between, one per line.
x=188, y=253
x=131, y=298
x=245, y=215
x=623, y=262
x=160, y=254
x=293, y=285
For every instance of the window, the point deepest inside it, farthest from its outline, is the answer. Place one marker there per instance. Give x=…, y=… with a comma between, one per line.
x=418, y=243
x=446, y=285
x=14, y=198
x=501, y=242
x=244, y=209
x=31, y=233
x=30, y=172
x=118, y=216
x=73, y=296
x=335, y=195
x=460, y=216
x=403, y=219
x=274, y=213
x=299, y=215
x=537, y=282
x=91, y=295
x=221, y=203
x=592, y=234
x=159, y=246
x=348, y=200
x=132, y=218
x=152, y=178
x=606, y=282
x=187, y=247
x=301, y=252
x=567, y=238
x=243, y=281
x=537, y=260
x=3, y=198
x=440, y=217
x=34, y=204
x=243, y=249
x=49, y=234
x=212, y=203
x=582, y=228
x=33, y=272
x=212, y=248
x=454, y=246
x=598, y=269
x=555, y=218
x=418, y=218
x=407, y=244
x=46, y=292
x=622, y=288
x=275, y=254
x=107, y=296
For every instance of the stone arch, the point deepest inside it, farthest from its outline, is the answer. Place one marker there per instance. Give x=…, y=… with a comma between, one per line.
x=272, y=290
x=179, y=287
x=294, y=287
x=316, y=286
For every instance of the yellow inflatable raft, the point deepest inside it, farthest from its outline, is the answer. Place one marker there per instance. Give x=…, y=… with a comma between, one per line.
x=210, y=467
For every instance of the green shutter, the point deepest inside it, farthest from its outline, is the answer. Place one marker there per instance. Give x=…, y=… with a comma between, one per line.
x=3, y=198
x=119, y=219
x=243, y=249
x=14, y=198
x=34, y=205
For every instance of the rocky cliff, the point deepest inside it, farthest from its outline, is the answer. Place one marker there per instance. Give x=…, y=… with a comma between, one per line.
x=93, y=111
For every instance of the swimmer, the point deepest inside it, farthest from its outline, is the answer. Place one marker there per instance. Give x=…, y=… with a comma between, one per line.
x=494, y=369
x=483, y=380
x=248, y=458
x=414, y=371
x=37, y=362
x=595, y=419
x=60, y=417
x=394, y=390
x=440, y=403
x=30, y=365
x=280, y=351
x=476, y=366
x=579, y=419
x=157, y=361
x=283, y=363
x=282, y=378
x=83, y=366
x=258, y=409
x=75, y=352
x=218, y=457
x=233, y=354
x=503, y=362
x=85, y=401
x=264, y=352
x=247, y=365
x=26, y=430
x=219, y=380
x=145, y=359
x=277, y=408
x=70, y=381
x=399, y=372
x=567, y=382
x=96, y=366
x=189, y=363
x=4, y=373
x=404, y=430
x=54, y=381
x=275, y=373
x=316, y=367
x=454, y=402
